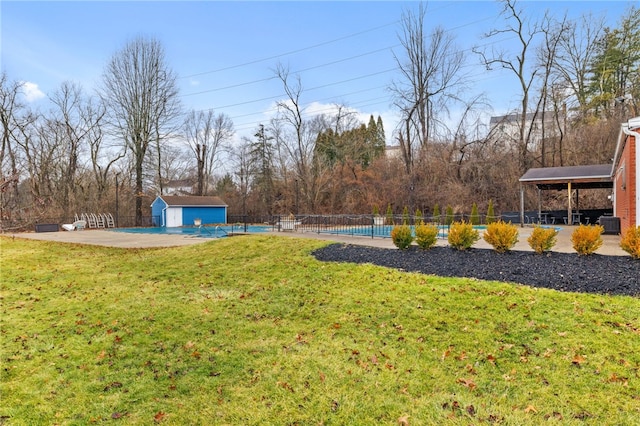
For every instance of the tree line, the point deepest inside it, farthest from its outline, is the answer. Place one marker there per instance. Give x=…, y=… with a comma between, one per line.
x=130, y=137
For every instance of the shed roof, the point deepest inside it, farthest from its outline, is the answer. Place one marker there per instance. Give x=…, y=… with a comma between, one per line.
x=590, y=176
x=192, y=200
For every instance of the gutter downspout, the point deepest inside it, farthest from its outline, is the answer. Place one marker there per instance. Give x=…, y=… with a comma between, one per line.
x=636, y=135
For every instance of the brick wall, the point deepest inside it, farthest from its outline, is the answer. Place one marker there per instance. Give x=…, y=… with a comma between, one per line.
x=625, y=185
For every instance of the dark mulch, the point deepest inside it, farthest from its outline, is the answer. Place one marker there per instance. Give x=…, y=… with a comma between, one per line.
x=615, y=275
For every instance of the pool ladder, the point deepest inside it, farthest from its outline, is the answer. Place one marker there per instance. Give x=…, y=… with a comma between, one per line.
x=215, y=234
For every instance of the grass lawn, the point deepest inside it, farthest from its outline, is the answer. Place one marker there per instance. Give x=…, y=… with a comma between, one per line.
x=253, y=330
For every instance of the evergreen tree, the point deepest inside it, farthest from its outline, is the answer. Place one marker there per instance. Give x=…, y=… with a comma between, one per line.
x=436, y=213
x=419, y=219
x=474, y=218
x=491, y=217
x=381, y=139
x=616, y=67
x=261, y=154
x=449, y=215
x=389, y=215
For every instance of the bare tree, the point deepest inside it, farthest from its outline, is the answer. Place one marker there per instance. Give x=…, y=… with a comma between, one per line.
x=141, y=96
x=576, y=52
x=553, y=33
x=430, y=69
x=75, y=120
x=291, y=131
x=205, y=134
x=525, y=32
x=10, y=110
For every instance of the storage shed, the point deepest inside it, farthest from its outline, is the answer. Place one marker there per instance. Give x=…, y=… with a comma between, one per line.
x=626, y=194
x=174, y=210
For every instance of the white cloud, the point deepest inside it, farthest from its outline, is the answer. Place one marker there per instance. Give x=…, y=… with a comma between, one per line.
x=31, y=91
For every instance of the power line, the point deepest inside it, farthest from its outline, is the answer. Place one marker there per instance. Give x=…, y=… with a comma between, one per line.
x=256, y=61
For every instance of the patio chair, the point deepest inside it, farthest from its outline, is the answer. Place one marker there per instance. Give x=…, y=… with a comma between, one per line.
x=75, y=226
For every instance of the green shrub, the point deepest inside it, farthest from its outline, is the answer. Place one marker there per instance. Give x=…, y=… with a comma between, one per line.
x=462, y=235
x=436, y=213
x=630, y=241
x=587, y=239
x=389, y=215
x=426, y=236
x=449, y=215
x=376, y=210
x=401, y=236
x=419, y=218
x=491, y=216
x=475, y=217
x=405, y=215
x=502, y=236
x=542, y=239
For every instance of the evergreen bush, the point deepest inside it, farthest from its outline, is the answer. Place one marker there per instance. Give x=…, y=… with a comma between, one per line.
x=449, y=215
x=587, y=239
x=401, y=236
x=462, y=235
x=475, y=217
x=502, y=236
x=426, y=236
x=542, y=239
x=419, y=217
x=436, y=213
x=389, y=215
x=405, y=215
x=491, y=216
x=630, y=241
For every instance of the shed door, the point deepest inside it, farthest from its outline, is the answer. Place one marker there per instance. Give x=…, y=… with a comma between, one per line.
x=174, y=216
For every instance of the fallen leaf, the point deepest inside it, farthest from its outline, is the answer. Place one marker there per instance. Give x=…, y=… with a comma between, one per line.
x=471, y=410
x=286, y=386
x=446, y=353
x=159, y=417
x=404, y=420
x=467, y=382
x=578, y=359
x=322, y=377
x=530, y=409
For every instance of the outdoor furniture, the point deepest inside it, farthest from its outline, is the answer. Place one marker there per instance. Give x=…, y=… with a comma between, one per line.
x=543, y=217
x=75, y=226
x=288, y=224
x=575, y=219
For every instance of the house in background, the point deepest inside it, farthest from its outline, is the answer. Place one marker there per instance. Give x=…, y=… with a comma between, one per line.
x=506, y=128
x=626, y=197
x=178, y=187
x=174, y=210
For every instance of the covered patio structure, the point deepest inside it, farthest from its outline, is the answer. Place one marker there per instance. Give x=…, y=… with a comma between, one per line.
x=565, y=178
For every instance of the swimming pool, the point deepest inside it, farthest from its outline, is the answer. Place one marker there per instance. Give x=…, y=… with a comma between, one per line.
x=217, y=231
x=384, y=231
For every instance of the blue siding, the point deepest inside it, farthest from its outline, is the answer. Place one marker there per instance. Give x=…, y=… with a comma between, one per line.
x=208, y=215
x=157, y=210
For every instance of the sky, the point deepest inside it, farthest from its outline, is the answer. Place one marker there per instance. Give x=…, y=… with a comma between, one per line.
x=225, y=52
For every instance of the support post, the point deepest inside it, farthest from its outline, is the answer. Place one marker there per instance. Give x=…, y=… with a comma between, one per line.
x=569, y=211
x=539, y=205
x=521, y=206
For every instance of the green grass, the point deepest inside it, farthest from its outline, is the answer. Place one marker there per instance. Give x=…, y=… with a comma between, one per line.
x=253, y=330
